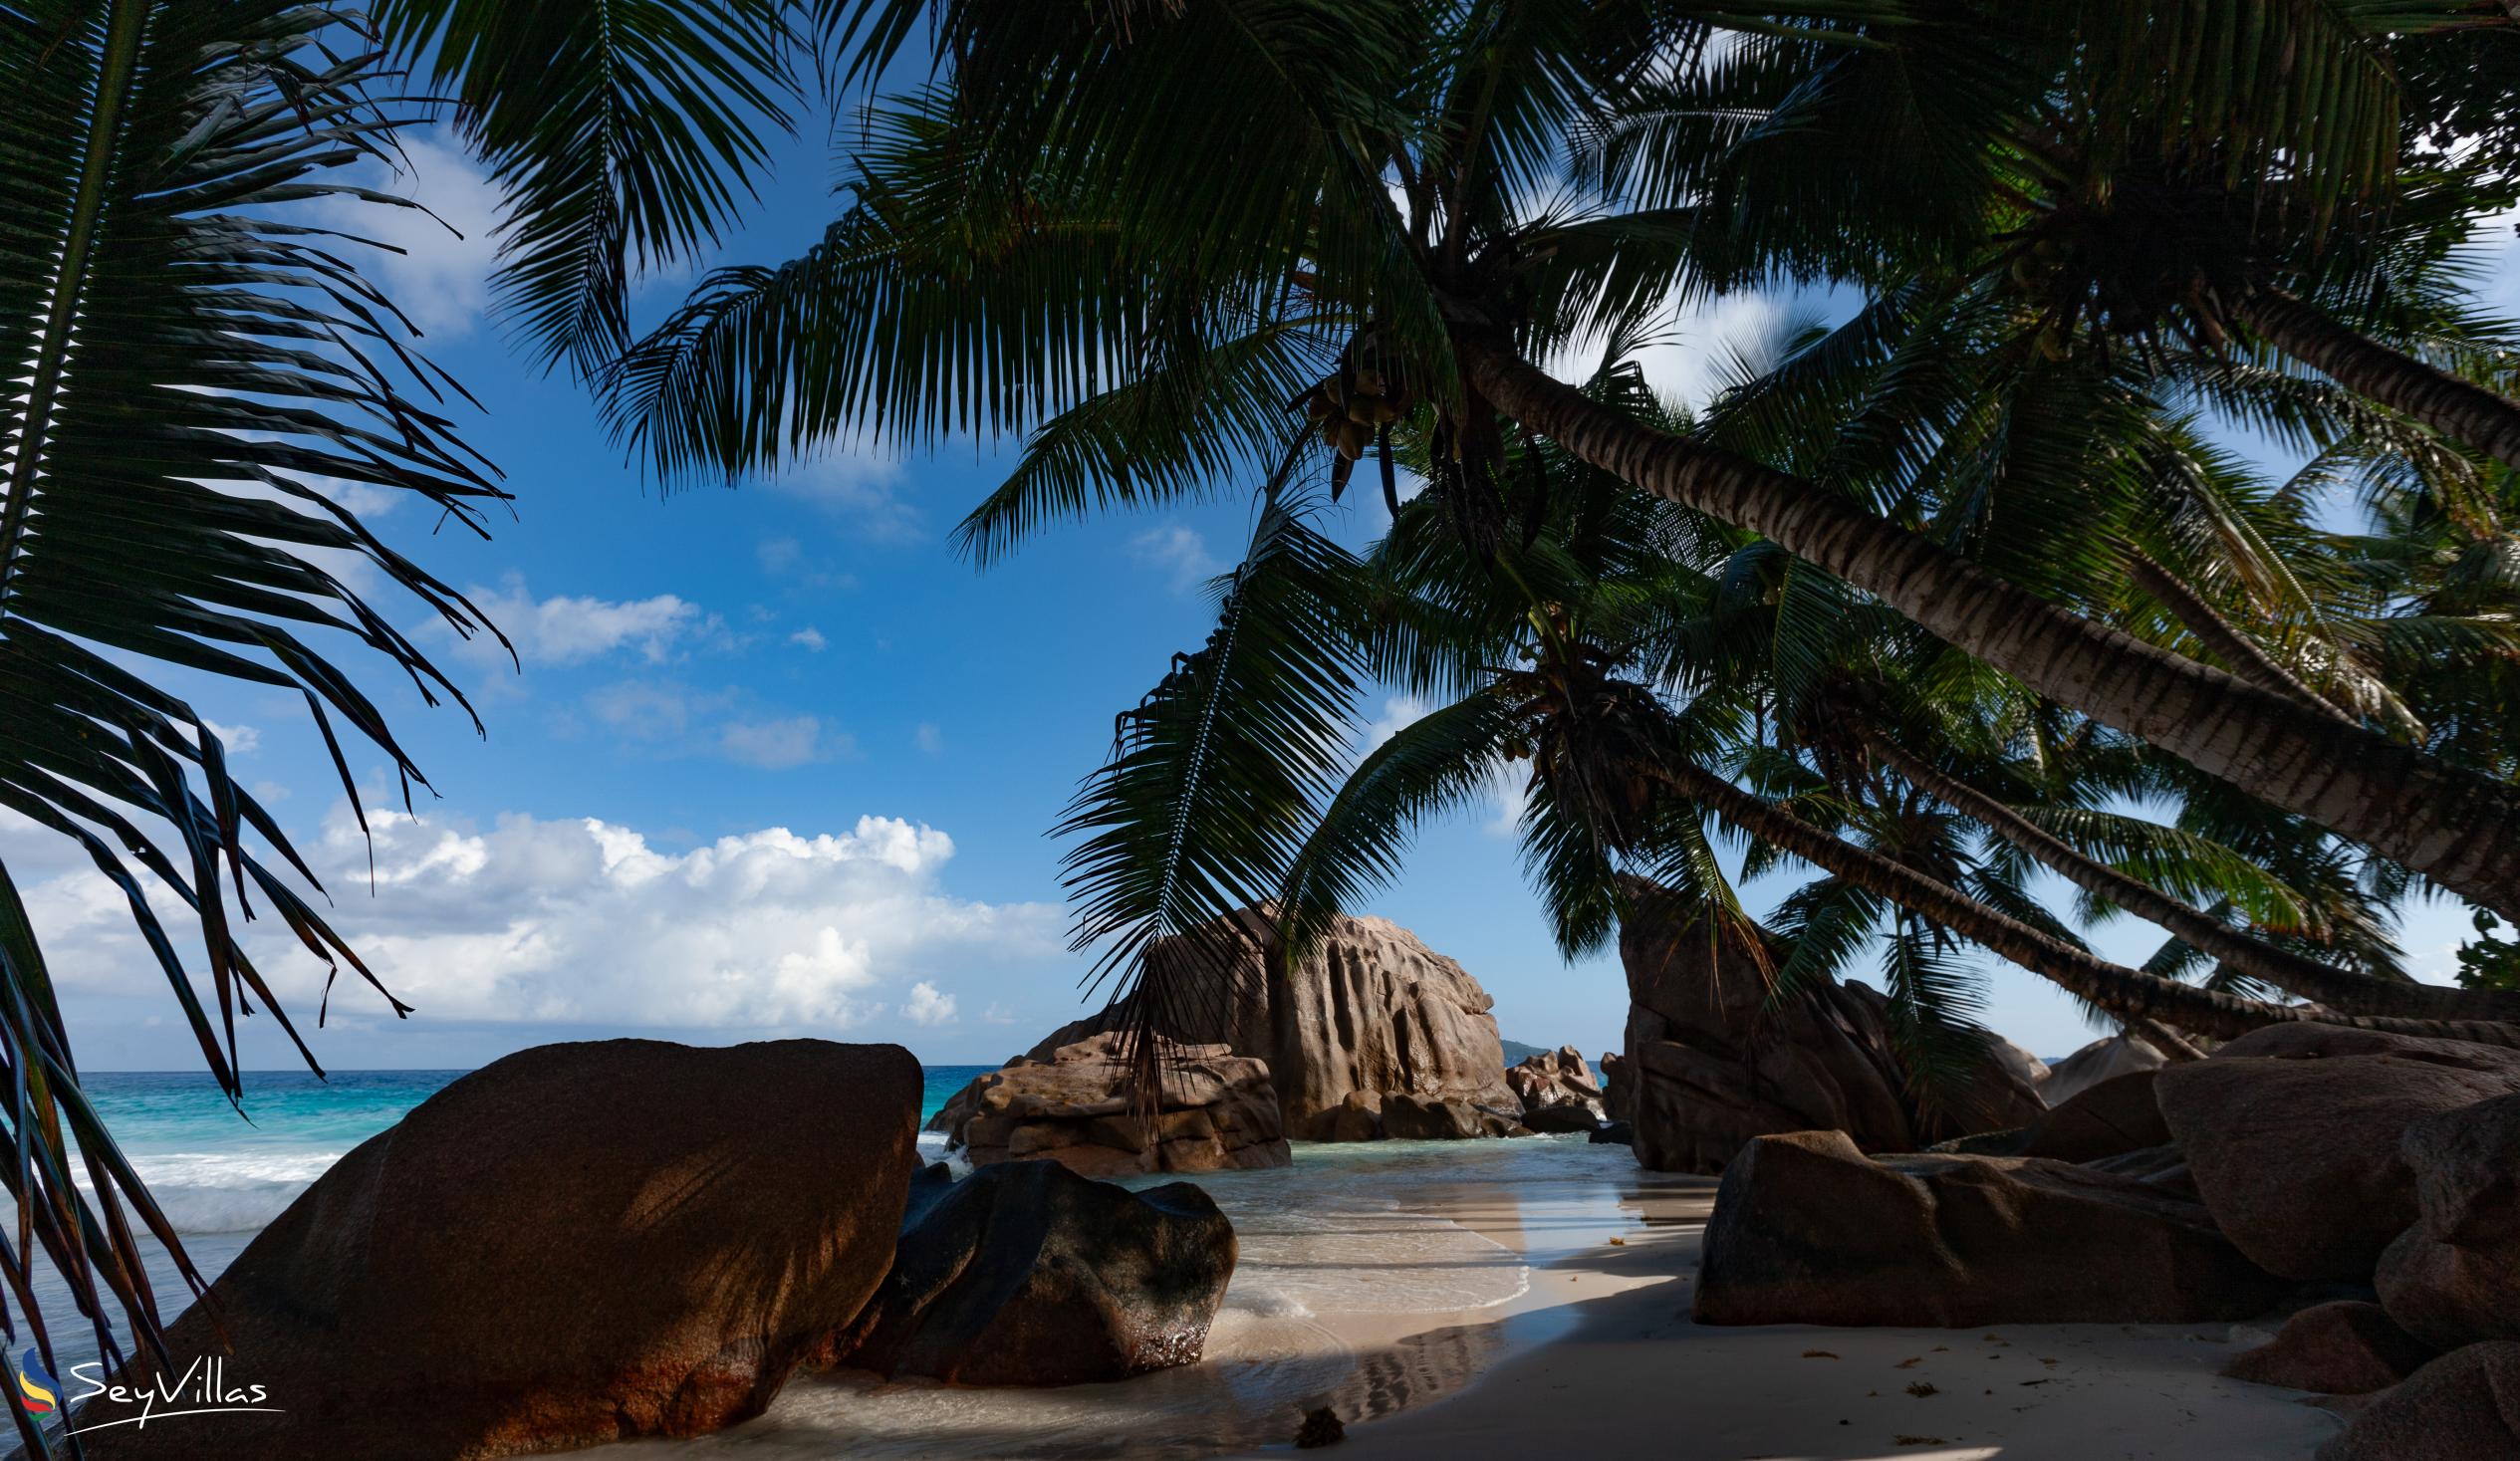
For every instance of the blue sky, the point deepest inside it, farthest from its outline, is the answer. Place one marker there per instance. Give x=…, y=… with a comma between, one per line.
x=779, y=762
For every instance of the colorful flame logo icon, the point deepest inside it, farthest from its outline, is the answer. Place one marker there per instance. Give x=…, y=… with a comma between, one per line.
x=38, y=1392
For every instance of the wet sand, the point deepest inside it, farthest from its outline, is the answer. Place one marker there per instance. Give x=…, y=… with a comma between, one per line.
x=1602, y=1353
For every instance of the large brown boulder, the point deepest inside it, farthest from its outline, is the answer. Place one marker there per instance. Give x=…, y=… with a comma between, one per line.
x=1553, y=1080
x=2102, y=1059
x=2293, y=1133
x=1372, y=1009
x=575, y=1245
x=1026, y=1273
x=1616, y=1100
x=2453, y=1278
x=2463, y=1406
x=1078, y=1105
x=1712, y=1061
x=2110, y=1118
x=2347, y=1348
x=1807, y=1229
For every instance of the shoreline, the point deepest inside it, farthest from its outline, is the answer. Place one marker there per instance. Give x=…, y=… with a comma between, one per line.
x=1604, y=1349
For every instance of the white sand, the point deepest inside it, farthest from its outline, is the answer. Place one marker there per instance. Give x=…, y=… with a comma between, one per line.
x=1602, y=1353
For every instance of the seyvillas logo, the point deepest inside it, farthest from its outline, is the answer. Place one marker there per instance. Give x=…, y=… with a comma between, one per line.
x=202, y=1390
x=38, y=1392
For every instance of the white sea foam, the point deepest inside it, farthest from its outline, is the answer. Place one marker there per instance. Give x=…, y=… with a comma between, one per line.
x=227, y=1192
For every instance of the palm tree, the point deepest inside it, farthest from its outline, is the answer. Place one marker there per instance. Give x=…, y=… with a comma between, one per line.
x=1220, y=205
x=195, y=361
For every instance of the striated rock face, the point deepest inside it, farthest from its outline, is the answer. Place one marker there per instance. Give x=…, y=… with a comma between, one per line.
x=1026, y=1273
x=2463, y=1406
x=1709, y=1066
x=2293, y=1132
x=2347, y=1348
x=1558, y=1092
x=1809, y=1230
x=2102, y=1059
x=1373, y=1010
x=2454, y=1277
x=1075, y=1106
x=575, y=1245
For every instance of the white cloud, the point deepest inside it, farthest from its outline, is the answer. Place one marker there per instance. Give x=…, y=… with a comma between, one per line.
x=779, y=555
x=572, y=629
x=580, y=921
x=810, y=638
x=1509, y=782
x=776, y=745
x=1179, y=552
x=647, y=710
x=859, y=485
x=241, y=740
x=1685, y=356
x=928, y=1007
x=441, y=281
x=929, y=740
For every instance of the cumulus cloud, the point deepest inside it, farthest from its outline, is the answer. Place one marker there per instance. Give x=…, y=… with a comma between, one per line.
x=776, y=744
x=573, y=628
x=928, y=1007
x=861, y=486
x=580, y=922
x=810, y=638
x=241, y=740
x=439, y=272
x=1177, y=550
x=1508, y=784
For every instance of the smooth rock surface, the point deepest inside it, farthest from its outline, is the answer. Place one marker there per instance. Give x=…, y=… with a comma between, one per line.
x=2345, y=1348
x=1809, y=1230
x=2463, y=1406
x=2110, y=1118
x=2293, y=1133
x=1026, y=1273
x=2102, y=1059
x=1374, y=1009
x=1078, y=1107
x=1713, y=1066
x=575, y=1245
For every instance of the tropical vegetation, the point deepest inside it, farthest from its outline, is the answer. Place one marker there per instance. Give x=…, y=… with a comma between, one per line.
x=1965, y=584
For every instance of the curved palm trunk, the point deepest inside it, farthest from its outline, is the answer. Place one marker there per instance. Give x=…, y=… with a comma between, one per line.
x=2127, y=993
x=2228, y=644
x=2304, y=978
x=2461, y=411
x=2457, y=827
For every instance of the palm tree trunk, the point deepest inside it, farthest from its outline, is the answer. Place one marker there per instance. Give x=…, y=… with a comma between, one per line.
x=2130, y=994
x=2303, y=978
x=2458, y=827
x=2461, y=411
x=2228, y=644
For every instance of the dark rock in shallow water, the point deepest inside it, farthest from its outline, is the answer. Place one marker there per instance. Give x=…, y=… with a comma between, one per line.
x=575, y=1245
x=1026, y=1273
x=2293, y=1133
x=1561, y=1119
x=2346, y=1348
x=1809, y=1230
x=1613, y=1133
x=1408, y=1117
x=2463, y=1406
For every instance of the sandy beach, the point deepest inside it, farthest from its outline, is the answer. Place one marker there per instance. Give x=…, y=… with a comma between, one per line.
x=1603, y=1349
